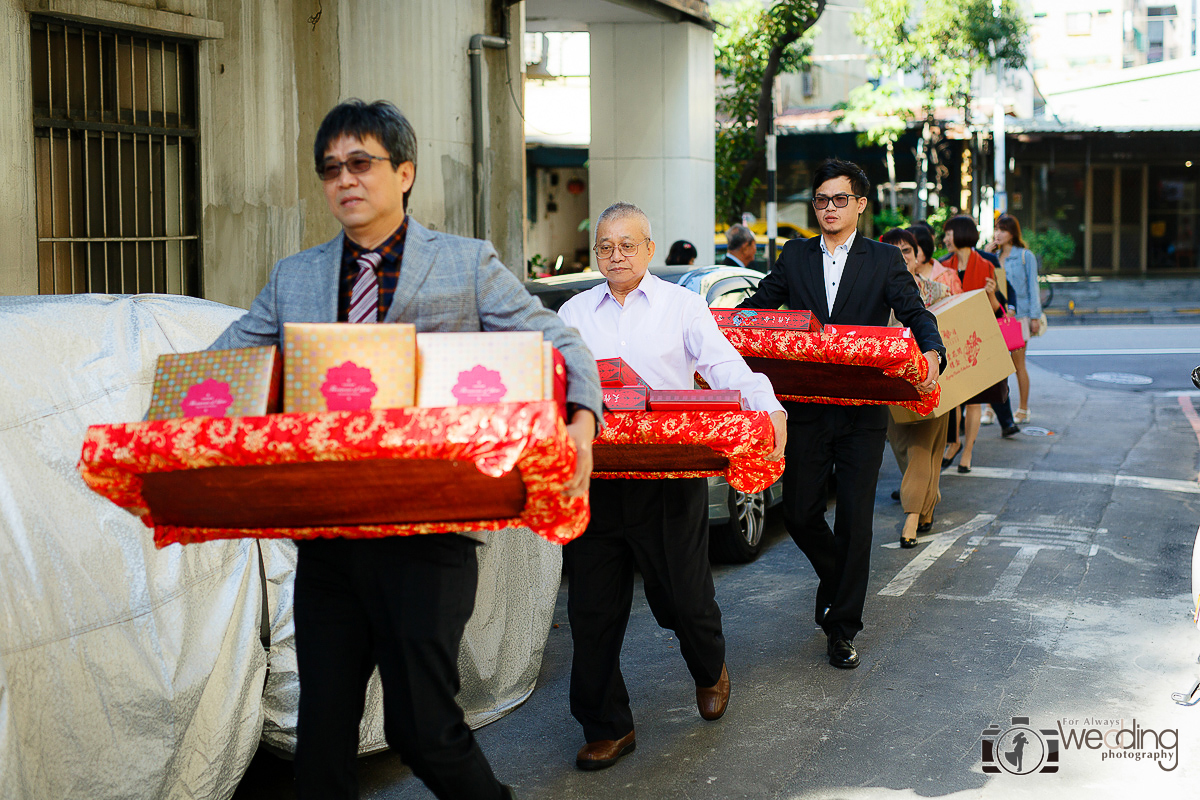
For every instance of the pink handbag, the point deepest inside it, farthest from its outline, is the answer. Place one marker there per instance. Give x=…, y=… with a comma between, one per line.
x=1010, y=327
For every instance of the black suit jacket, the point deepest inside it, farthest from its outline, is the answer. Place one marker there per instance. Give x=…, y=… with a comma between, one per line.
x=874, y=282
x=729, y=262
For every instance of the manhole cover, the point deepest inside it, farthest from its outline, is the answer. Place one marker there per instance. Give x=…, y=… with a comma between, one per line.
x=1030, y=430
x=1123, y=378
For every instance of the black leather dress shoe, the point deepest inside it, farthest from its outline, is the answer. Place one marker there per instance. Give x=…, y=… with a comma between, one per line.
x=925, y=527
x=842, y=653
x=1013, y=431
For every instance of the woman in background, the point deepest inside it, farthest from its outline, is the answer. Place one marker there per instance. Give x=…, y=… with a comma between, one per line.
x=1021, y=267
x=976, y=272
x=682, y=253
x=917, y=445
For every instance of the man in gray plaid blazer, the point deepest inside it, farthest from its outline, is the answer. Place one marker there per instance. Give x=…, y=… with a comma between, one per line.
x=401, y=602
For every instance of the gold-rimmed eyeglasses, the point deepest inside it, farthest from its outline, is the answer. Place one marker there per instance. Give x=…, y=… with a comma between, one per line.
x=628, y=249
x=821, y=201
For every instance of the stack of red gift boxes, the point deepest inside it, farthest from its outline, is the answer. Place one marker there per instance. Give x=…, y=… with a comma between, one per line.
x=624, y=390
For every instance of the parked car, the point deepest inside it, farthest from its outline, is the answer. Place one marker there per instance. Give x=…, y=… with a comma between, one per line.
x=736, y=519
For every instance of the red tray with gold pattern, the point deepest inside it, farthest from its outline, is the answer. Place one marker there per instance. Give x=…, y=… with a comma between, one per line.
x=833, y=366
x=688, y=444
x=355, y=474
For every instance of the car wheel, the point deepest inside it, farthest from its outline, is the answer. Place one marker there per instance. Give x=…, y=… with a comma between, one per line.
x=741, y=540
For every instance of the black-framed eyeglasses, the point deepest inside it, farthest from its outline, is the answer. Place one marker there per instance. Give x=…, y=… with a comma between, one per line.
x=821, y=202
x=357, y=164
x=628, y=249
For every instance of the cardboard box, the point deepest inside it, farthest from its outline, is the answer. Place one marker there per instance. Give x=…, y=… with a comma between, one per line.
x=625, y=398
x=976, y=356
x=694, y=400
x=216, y=383
x=490, y=367
x=339, y=366
x=615, y=372
x=766, y=319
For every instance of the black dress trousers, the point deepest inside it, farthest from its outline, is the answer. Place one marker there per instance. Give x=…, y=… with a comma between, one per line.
x=401, y=603
x=661, y=526
x=849, y=439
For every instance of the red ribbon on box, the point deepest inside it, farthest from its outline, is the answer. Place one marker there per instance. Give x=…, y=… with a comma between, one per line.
x=688, y=444
x=354, y=474
x=838, y=365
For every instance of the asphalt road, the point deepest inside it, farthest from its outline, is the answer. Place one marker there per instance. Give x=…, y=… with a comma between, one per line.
x=1139, y=358
x=1054, y=587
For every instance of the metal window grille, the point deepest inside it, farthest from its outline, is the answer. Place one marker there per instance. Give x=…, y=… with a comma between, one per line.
x=116, y=160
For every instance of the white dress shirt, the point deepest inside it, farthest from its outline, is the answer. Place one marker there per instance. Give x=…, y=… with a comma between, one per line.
x=834, y=264
x=666, y=334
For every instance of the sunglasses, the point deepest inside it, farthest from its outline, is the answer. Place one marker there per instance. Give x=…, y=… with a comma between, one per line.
x=820, y=202
x=356, y=164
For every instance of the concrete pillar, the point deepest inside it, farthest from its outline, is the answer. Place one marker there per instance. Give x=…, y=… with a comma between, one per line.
x=18, y=214
x=415, y=54
x=652, y=128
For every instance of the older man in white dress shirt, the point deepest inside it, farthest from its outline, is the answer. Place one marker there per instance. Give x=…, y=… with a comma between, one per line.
x=666, y=334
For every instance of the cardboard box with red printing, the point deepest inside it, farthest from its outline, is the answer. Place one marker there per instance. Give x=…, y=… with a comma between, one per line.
x=769, y=319
x=976, y=356
x=216, y=383
x=694, y=400
x=615, y=372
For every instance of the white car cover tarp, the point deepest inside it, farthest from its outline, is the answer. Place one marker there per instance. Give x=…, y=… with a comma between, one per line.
x=132, y=672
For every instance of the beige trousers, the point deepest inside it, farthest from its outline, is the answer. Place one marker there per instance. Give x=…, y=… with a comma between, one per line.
x=918, y=449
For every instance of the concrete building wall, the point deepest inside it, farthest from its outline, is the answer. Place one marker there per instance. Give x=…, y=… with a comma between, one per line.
x=652, y=128
x=18, y=215
x=267, y=76
x=249, y=134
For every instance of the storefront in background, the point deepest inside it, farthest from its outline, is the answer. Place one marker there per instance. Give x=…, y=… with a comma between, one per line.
x=1127, y=198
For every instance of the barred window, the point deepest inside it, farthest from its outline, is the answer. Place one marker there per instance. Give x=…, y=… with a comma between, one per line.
x=116, y=160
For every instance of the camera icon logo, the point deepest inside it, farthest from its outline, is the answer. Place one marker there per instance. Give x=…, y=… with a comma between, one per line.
x=1019, y=748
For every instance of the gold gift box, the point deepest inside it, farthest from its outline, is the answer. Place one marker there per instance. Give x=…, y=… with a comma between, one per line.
x=493, y=367
x=339, y=366
x=216, y=383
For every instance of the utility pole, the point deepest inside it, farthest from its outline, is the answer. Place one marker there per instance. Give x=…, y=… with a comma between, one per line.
x=772, y=205
x=1000, y=164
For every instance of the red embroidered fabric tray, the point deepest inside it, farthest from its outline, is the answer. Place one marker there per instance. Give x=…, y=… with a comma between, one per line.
x=357, y=474
x=828, y=367
x=688, y=444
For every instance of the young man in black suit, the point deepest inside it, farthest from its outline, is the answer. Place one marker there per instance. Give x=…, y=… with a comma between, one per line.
x=843, y=278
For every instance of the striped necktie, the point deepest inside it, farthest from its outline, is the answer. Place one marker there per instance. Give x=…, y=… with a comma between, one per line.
x=364, y=296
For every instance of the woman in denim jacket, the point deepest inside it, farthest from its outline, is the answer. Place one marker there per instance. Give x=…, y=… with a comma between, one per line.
x=1021, y=268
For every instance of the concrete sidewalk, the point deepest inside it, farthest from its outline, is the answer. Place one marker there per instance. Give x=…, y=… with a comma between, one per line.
x=1120, y=301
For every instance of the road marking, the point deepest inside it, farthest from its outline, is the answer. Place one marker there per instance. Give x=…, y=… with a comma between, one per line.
x=1189, y=411
x=1028, y=539
x=1136, y=351
x=1098, y=479
x=938, y=545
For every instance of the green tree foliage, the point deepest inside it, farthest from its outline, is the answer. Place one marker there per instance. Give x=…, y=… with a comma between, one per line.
x=946, y=44
x=880, y=115
x=1052, y=246
x=754, y=45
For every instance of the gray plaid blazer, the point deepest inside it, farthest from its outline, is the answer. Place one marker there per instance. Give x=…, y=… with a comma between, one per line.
x=447, y=283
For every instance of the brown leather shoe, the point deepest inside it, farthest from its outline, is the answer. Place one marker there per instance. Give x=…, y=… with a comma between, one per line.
x=598, y=755
x=712, y=700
